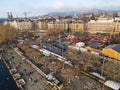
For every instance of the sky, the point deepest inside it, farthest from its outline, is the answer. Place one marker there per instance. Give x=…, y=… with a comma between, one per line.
x=40, y=7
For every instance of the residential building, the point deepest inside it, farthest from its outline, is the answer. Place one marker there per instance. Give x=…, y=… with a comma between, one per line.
x=117, y=28
x=58, y=25
x=51, y=25
x=78, y=27
x=101, y=26
x=42, y=24
x=21, y=25
x=87, y=17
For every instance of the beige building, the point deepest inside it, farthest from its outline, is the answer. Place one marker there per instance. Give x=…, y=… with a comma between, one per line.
x=22, y=25
x=42, y=24
x=51, y=26
x=101, y=26
x=77, y=27
x=117, y=28
x=64, y=25
x=57, y=26
x=61, y=25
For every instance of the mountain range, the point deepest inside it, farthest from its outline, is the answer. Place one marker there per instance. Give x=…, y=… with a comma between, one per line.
x=80, y=12
x=74, y=13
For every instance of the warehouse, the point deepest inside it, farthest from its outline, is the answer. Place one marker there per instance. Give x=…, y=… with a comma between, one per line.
x=112, y=51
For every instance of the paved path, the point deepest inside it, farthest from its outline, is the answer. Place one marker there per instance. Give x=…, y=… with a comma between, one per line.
x=34, y=81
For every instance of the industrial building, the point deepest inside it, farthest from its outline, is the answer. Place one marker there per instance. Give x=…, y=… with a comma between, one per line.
x=112, y=51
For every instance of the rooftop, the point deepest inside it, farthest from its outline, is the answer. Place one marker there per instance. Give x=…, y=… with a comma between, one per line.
x=94, y=45
x=116, y=47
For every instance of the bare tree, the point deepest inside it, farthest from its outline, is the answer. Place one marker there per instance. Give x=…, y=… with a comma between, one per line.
x=6, y=33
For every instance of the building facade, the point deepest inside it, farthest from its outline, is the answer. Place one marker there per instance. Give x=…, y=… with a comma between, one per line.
x=61, y=26
x=42, y=24
x=103, y=26
x=77, y=27
x=117, y=28
x=21, y=25
x=100, y=26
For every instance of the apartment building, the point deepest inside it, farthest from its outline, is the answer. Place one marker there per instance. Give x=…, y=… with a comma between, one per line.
x=101, y=26
x=21, y=25
x=117, y=28
x=57, y=26
x=42, y=24
x=77, y=27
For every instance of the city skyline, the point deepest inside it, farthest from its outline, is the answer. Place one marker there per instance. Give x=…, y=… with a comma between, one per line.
x=40, y=7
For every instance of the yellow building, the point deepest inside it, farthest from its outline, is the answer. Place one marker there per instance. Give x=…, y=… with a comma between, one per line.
x=77, y=27
x=112, y=51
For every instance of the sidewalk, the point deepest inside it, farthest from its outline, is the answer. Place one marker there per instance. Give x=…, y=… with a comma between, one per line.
x=34, y=81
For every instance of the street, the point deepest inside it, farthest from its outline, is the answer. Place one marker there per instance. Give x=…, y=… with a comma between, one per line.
x=34, y=81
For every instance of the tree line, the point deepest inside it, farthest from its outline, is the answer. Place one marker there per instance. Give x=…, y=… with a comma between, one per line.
x=6, y=33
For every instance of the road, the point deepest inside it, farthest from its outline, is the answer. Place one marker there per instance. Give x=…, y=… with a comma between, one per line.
x=34, y=81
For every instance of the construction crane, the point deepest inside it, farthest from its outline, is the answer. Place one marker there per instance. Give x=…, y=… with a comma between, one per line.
x=26, y=13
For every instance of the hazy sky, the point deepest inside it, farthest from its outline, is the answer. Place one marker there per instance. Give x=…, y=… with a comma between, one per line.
x=39, y=7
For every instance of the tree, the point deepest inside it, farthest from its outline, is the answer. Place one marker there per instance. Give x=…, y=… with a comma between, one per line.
x=85, y=60
x=77, y=69
x=112, y=70
x=55, y=66
x=68, y=74
x=6, y=33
